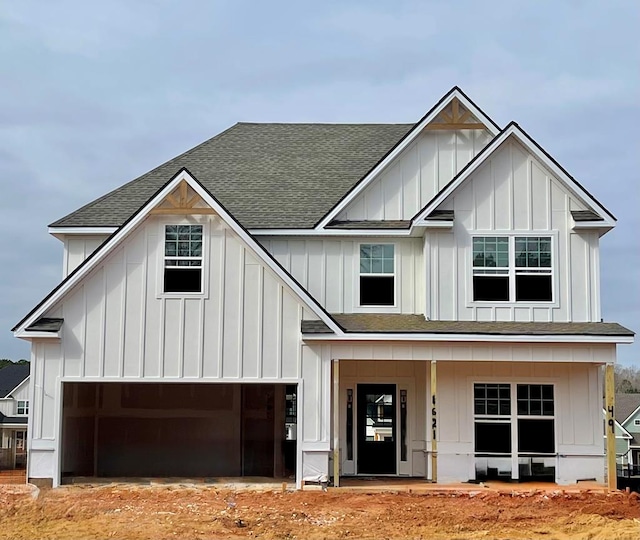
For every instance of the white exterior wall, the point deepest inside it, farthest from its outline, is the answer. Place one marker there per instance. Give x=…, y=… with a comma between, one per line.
x=329, y=269
x=513, y=192
x=415, y=177
x=77, y=248
x=578, y=410
x=7, y=407
x=119, y=326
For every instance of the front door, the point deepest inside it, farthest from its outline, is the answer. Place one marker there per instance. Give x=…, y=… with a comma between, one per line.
x=376, y=427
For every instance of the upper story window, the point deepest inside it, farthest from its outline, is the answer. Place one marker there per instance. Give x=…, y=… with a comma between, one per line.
x=183, y=259
x=377, y=275
x=512, y=269
x=22, y=407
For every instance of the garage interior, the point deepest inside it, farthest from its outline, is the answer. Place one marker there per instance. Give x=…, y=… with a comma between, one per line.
x=193, y=430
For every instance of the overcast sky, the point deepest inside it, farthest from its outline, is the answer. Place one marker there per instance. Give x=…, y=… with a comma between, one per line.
x=92, y=94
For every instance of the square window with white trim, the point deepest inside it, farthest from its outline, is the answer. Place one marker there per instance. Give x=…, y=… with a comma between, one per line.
x=512, y=269
x=636, y=422
x=22, y=407
x=377, y=275
x=183, y=259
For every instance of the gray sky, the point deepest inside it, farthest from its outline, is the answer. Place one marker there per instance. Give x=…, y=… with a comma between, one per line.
x=92, y=94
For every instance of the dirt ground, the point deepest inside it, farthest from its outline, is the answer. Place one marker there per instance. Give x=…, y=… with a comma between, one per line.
x=204, y=512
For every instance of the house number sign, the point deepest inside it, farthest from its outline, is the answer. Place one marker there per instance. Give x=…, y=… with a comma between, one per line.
x=434, y=417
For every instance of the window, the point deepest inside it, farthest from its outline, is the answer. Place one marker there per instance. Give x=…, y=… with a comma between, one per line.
x=536, y=432
x=183, y=259
x=377, y=275
x=636, y=422
x=492, y=408
x=22, y=407
x=512, y=268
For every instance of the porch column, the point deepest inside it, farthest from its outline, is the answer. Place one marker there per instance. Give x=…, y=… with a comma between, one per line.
x=336, y=423
x=609, y=399
x=434, y=425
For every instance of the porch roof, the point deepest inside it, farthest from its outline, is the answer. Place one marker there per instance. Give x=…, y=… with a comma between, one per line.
x=13, y=420
x=394, y=323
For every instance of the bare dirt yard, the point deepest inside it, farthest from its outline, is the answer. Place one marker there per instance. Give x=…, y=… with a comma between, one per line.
x=204, y=512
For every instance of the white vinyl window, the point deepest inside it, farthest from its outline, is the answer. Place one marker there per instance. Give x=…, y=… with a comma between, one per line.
x=512, y=269
x=183, y=258
x=636, y=422
x=22, y=407
x=377, y=275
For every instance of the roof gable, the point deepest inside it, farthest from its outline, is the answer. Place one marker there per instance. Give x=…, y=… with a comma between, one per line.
x=514, y=130
x=168, y=195
x=453, y=111
x=627, y=407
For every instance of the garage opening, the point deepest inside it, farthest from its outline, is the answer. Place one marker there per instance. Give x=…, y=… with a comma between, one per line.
x=178, y=430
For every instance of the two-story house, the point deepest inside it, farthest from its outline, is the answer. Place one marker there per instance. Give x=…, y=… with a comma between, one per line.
x=14, y=413
x=628, y=416
x=326, y=300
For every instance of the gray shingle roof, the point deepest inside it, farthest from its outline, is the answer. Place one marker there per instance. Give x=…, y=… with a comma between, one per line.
x=585, y=215
x=12, y=376
x=21, y=420
x=45, y=324
x=398, y=323
x=625, y=405
x=266, y=175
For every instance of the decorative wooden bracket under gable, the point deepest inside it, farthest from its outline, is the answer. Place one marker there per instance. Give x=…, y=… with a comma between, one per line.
x=183, y=201
x=455, y=116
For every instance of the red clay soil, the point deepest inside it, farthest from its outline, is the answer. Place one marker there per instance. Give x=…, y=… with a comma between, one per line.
x=204, y=512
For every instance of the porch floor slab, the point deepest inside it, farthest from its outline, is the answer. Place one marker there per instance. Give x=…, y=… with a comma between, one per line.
x=378, y=484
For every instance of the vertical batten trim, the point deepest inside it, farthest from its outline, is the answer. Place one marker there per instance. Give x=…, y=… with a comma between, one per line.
x=103, y=323
x=261, y=314
x=568, y=256
x=161, y=348
x=143, y=318
x=492, y=197
x=323, y=273
x=436, y=165
x=549, y=202
x=279, y=331
x=222, y=298
x=587, y=281
x=123, y=315
x=596, y=278
x=322, y=387
x=512, y=181
x=427, y=276
x=341, y=279
x=435, y=297
x=529, y=193
x=241, y=312
x=200, y=372
x=455, y=280
x=299, y=309
x=84, y=332
x=181, y=333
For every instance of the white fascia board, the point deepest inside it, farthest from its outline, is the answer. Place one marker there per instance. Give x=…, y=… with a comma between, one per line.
x=61, y=232
x=465, y=338
x=412, y=136
x=106, y=248
x=28, y=336
x=625, y=433
x=514, y=130
x=631, y=415
x=82, y=230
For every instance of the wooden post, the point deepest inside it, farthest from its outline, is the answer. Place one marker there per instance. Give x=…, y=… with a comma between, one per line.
x=336, y=423
x=434, y=425
x=609, y=399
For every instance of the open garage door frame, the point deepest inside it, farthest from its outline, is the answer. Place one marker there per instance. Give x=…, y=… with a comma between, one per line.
x=179, y=429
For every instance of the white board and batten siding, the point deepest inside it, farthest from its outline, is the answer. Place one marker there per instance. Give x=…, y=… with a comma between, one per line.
x=119, y=325
x=77, y=248
x=513, y=193
x=417, y=175
x=329, y=269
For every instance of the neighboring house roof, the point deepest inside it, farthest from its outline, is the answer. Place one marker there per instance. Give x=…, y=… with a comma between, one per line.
x=19, y=420
x=11, y=377
x=265, y=175
x=390, y=323
x=626, y=405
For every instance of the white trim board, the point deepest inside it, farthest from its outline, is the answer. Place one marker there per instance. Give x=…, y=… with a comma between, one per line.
x=413, y=134
x=465, y=338
x=99, y=255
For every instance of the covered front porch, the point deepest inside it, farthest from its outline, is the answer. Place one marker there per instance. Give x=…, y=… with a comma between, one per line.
x=467, y=413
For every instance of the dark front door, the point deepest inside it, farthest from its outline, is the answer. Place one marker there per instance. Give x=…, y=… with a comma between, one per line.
x=376, y=426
